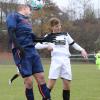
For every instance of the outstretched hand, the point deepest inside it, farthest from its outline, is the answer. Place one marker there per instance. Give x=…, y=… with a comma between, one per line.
x=84, y=54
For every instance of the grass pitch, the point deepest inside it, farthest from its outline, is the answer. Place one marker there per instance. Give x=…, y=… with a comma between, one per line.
x=85, y=84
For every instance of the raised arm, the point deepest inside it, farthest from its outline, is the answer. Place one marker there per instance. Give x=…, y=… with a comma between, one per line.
x=41, y=46
x=77, y=47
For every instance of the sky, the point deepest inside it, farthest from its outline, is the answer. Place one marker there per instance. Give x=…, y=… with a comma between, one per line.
x=65, y=3
x=73, y=7
x=74, y=4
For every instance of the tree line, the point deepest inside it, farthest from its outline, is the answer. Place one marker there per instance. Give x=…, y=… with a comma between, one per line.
x=85, y=30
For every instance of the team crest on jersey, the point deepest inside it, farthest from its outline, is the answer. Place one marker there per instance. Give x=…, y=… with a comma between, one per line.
x=60, y=40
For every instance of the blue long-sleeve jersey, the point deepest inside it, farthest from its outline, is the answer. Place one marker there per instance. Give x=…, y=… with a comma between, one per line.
x=23, y=28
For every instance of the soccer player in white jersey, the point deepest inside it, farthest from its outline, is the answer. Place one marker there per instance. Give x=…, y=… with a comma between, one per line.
x=60, y=56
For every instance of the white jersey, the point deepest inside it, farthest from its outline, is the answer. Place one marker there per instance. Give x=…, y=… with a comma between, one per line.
x=61, y=46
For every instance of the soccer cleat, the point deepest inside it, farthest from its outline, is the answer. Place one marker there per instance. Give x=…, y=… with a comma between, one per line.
x=9, y=82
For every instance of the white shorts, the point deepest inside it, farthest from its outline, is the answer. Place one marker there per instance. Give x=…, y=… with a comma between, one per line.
x=60, y=67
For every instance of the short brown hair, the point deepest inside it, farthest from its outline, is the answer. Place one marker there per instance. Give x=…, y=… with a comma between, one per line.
x=54, y=21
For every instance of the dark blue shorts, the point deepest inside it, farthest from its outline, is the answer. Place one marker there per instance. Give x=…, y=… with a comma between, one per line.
x=30, y=64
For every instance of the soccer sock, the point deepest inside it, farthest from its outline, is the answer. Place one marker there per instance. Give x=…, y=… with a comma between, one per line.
x=29, y=94
x=49, y=90
x=45, y=98
x=66, y=94
x=44, y=91
x=14, y=77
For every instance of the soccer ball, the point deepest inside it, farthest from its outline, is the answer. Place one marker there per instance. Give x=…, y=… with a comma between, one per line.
x=36, y=4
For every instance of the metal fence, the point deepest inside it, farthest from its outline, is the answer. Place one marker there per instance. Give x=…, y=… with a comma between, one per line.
x=7, y=59
x=79, y=58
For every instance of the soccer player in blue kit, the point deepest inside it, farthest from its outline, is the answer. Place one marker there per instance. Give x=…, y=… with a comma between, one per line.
x=25, y=55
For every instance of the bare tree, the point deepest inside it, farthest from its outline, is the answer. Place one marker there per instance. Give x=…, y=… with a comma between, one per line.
x=97, y=43
x=84, y=5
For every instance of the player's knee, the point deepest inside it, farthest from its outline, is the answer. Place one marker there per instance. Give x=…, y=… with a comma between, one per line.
x=28, y=83
x=40, y=78
x=66, y=84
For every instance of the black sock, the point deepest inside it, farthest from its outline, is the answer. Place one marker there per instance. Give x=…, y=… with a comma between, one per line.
x=66, y=94
x=14, y=77
x=29, y=94
x=45, y=98
x=49, y=90
x=44, y=91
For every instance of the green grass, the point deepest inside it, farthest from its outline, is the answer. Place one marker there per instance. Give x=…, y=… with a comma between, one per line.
x=85, y=84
